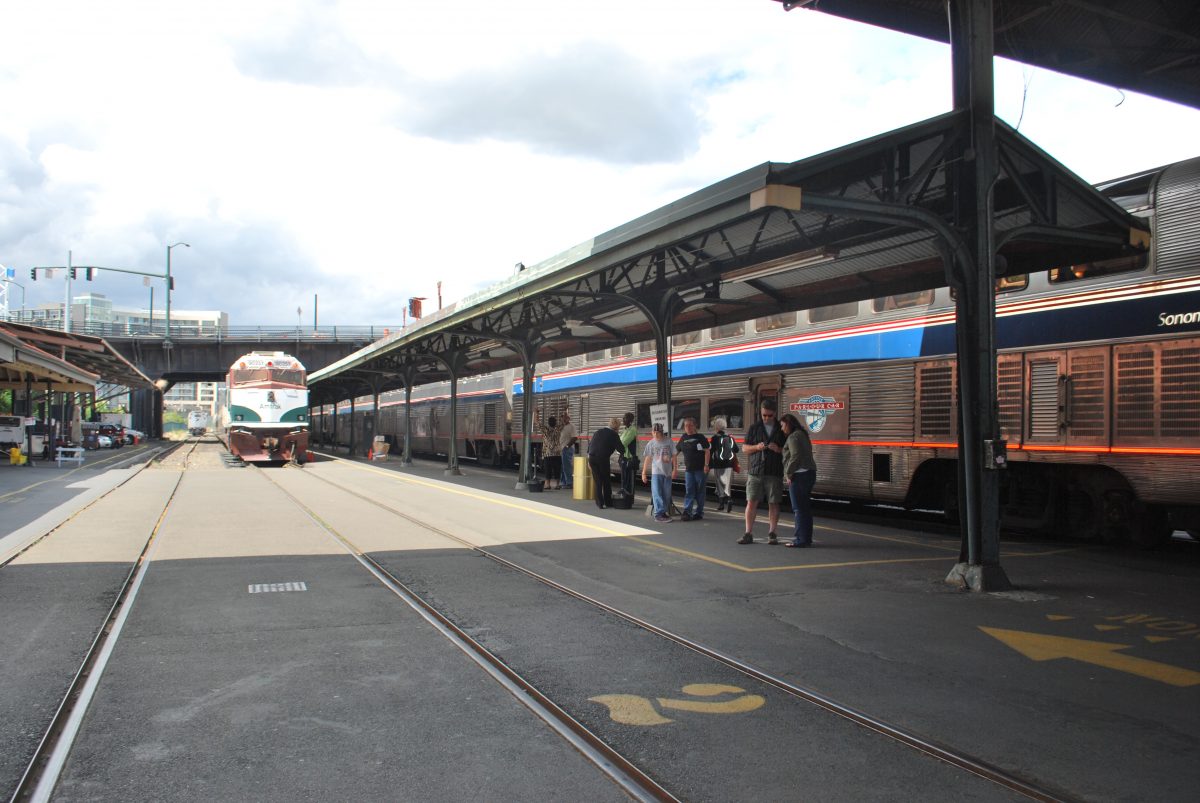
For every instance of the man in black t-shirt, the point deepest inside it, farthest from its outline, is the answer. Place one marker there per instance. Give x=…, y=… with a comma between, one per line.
x=693, y=448
x=764, y=445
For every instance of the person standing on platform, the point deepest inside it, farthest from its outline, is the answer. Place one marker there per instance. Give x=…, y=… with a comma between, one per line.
x=628, y=459
x=659, y=463
x=567, y=439
x=600, y=452
x=724, y=451
x=551, y=452
x=692, y=448
x=799, y=475
x=764, y=444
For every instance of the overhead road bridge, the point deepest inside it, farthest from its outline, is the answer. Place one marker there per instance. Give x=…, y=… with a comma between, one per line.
x=205, y=354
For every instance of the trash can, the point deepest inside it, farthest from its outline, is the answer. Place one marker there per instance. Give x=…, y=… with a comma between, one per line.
x=583, y=487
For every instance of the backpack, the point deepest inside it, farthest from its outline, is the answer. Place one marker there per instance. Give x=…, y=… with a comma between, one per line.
x=724, y=449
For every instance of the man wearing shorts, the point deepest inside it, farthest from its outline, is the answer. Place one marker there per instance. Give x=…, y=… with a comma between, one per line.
x=764, y=445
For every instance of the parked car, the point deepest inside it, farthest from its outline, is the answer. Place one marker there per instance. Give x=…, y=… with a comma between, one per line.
x=133, y=436
x=115, y=434
x=103, y=441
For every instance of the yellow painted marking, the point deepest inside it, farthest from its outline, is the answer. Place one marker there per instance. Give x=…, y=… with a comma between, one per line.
x=738, y=705
x=709, y=689
x=1103, y=628
x=740, y=568
x=1040, y=647
x=1157, y=639
x=630, y=709
x=640, y=537
x=451, y=489
x=1058, y=617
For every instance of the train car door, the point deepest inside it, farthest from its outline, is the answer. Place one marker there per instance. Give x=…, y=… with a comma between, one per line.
x=1068, y=397
x=761, y=389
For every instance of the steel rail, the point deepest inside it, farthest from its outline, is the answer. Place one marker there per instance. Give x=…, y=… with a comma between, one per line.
x=956, y=758
x=619, y=769
x=48, y=760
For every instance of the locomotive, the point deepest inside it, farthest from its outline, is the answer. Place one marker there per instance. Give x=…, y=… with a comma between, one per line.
x=1098, y=377
x=266, y=413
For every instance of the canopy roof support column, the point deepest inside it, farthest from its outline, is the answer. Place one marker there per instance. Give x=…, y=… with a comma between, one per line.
x=409, y=376
x=528, y=349
x=454, y=365
x=981, y=454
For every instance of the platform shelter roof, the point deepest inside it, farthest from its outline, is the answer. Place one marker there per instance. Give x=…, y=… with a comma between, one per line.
x=22, y=363
x=861, y=221
x=87, y=356
x=1152, y=48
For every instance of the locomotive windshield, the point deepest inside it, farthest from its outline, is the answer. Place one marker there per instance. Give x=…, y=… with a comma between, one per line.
x=241, y=377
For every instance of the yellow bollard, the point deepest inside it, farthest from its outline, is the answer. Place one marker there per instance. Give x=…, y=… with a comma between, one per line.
x=583, y=487
x=15, y=458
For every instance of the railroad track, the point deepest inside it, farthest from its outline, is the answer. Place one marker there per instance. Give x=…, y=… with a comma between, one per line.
x=41, y=774
x=631, y=778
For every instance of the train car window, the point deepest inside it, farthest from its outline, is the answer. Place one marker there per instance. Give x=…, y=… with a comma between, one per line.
x=1009, y=284
x=769, y=323
x=728, y=330
x=1090, y=270
x=646, y=347
x=1004, y=284
x=833, y=312
x=921, y=298
x=688, y=408
x=643, y=416
x=686, y=339
x=559, y=363
x=621, y=351
x=595, y=356
x=732, y=410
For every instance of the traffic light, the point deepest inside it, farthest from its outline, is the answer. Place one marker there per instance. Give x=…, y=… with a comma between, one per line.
x=90, y=273
x=171, y=283
x=33, y=274
x=72, y=273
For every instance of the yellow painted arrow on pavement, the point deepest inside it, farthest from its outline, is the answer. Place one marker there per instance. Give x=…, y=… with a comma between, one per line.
x=1047, y=648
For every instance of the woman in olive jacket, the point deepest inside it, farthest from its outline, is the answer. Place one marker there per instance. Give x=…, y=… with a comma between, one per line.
x=799, y=474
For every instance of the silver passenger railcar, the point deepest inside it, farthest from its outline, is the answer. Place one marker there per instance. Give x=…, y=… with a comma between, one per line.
x=1098, y=386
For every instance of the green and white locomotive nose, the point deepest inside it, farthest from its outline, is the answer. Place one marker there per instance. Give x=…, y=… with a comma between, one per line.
x=267, y=408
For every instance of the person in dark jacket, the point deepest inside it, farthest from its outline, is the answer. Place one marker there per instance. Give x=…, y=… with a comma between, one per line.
x=600, y=452
x=764, y=445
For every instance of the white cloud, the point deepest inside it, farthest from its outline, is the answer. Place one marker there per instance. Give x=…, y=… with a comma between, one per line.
x=363, y=151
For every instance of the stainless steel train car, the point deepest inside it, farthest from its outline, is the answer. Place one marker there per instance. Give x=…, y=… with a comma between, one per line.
x=1098, y=386
x=484, y=420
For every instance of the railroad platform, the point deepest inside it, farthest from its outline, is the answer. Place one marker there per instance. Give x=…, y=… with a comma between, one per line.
x=1083, y=680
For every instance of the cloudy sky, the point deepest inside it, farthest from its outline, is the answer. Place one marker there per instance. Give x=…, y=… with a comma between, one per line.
x=363, y=151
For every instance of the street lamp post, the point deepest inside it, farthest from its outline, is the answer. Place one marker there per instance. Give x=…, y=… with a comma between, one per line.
x=169, y=283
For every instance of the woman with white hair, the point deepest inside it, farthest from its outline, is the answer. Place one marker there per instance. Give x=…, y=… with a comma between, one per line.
x=724, y=451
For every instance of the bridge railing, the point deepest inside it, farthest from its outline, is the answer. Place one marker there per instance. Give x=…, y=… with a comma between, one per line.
x=241, y=334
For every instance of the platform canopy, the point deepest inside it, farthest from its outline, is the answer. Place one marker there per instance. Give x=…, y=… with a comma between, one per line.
x=22, y=364
x=863, y=221
x=1148, y=47
x=88, y=356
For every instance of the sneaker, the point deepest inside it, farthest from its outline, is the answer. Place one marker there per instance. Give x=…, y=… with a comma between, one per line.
x=698, y=517
x=772, y=539
x=663, y=517
x=746, y=539
x=686, y=516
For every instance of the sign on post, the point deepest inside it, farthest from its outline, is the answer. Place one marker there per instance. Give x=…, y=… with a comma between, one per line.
x=661, y=414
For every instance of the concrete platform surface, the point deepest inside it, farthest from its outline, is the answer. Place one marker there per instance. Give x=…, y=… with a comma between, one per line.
x=229, y=680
